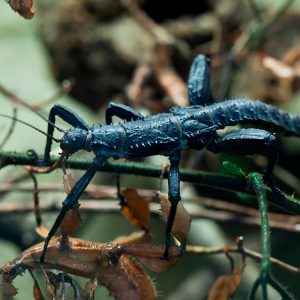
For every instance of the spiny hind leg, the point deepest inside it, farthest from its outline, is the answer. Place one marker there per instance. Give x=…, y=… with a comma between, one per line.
x=249, y=142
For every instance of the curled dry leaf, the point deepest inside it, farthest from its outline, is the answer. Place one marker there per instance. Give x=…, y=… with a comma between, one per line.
x=123, y=276
x=42, y=231
x=72, y=220
x=6, y=288
x=136, y=209
x=150, y=255
x=23, y=8
x=68, y=183
x=182, y=222
x=37, y=294
x=90, y=286
x=143, y=282
x=226, y=285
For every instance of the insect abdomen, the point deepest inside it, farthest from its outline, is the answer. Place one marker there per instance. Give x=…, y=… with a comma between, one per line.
x=232, y=112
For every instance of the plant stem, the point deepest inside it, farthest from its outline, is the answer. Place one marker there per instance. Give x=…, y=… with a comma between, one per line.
x=210, y=180
x=265, y=278
x=257, y=182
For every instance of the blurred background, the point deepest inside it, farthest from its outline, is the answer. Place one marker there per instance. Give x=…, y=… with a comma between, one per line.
x=139, y=54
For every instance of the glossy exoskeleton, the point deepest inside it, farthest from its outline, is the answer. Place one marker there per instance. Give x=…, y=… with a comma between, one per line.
x=167, y=134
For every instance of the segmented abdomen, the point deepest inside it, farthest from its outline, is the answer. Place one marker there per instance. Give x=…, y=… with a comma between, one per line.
x=236, y=111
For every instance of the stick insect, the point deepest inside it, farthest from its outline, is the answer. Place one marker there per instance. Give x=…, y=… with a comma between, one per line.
x=167, y=134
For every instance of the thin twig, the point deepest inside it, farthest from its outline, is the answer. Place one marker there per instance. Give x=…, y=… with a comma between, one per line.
x=263, y=279
x=63, y=89
x=112, y=206
x=162, y=36
x=36, y=201
x=237, y=213
x=255, y=10
x=253, y=39
x=11, y=128
x=201, y=250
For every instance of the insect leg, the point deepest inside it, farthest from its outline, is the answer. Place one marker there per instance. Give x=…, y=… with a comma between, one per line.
x=72, y=198
x=174, y=198
x=248, y=142
x=199, y=81
x=122, y=111
x=68, y=116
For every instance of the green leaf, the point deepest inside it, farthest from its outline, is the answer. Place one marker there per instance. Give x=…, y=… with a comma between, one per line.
x=233, y=169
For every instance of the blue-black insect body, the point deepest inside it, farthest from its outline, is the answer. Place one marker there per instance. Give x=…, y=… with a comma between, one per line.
x=168, y=133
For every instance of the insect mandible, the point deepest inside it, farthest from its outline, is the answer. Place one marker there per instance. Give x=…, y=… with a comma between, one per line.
x=167, y=134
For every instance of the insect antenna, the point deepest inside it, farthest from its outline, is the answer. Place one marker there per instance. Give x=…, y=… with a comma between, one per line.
x=25, y=123
x=16, y=99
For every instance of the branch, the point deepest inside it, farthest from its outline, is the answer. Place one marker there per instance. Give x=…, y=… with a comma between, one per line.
x=201, y=250
x=210, y=180
x=224, y=182
x=112, y=206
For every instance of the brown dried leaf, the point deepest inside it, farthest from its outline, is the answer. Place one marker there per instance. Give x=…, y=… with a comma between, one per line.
x=42, y=231
x=37, y=294
x=226, y=285
x=136, y=209
x=182, y=222
x=8, y=290
x=23, y=7
x=220, y=289
x=90, y=286
x=236, y=278
x=141, y=283
x=68, y=183
x=150, y=255
x=71, y=222
x=124, y=277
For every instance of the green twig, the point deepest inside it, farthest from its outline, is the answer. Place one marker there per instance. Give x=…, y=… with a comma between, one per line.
x=265, y=278
x=258, y=186
x=225, y=182
x=254, y=34
x=255, y=10
x=258, y=33
x=210, y=180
